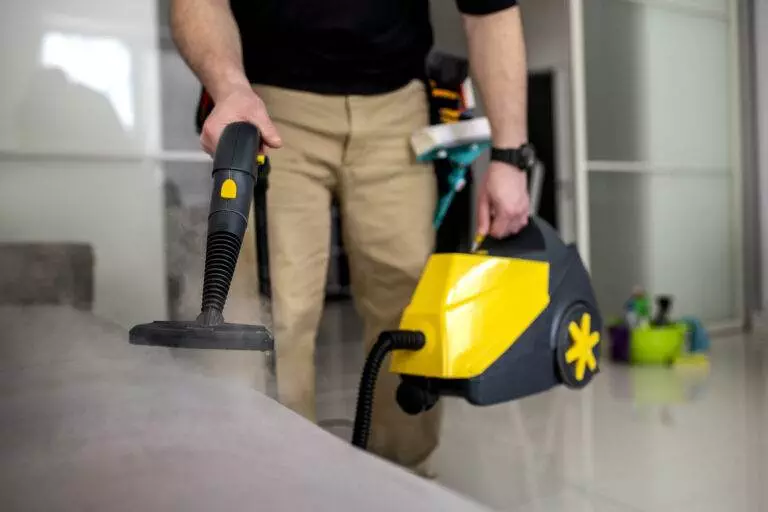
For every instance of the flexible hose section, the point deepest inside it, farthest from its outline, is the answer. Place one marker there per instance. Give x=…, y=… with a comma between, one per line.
x=387, y=342
x=220, y=259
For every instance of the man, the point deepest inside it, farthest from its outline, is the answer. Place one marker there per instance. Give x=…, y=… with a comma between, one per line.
x=336, y=88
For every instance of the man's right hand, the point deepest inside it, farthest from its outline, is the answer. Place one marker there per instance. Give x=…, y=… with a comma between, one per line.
x=241, y=104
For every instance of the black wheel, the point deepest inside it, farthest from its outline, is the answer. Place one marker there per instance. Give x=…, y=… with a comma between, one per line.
x=578, y=341
x=414, y=395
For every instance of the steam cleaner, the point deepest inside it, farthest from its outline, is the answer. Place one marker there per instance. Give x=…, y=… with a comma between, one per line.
x=514, y=318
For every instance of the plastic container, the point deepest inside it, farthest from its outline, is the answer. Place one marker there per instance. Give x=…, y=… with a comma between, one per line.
x=619, y=334
x=657, y=345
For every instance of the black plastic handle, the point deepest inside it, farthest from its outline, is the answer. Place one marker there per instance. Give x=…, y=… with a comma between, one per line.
x=234, y=177
x=237, y=147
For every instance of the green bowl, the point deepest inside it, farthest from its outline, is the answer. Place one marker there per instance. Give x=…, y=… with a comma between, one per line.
x=657, y=345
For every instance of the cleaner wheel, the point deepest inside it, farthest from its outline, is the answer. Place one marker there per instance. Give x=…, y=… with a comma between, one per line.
x=578, y=340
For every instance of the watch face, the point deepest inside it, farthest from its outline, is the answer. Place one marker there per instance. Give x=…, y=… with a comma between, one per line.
x=527, y=157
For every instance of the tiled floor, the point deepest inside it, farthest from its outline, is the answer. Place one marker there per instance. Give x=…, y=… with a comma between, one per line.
x=639, y=439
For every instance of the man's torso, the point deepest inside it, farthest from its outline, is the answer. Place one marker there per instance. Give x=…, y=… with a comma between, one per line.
x=334, y=46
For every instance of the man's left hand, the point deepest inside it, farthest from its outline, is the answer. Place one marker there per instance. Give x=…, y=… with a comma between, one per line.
x=503, y=205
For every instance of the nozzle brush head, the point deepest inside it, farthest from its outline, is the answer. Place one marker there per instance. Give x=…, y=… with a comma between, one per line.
x=196, y=335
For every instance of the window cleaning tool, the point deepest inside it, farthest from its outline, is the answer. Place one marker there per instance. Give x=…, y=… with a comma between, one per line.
x=461, y=143
x=235, y=174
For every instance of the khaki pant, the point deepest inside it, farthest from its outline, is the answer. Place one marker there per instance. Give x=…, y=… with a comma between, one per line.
x=357, y=149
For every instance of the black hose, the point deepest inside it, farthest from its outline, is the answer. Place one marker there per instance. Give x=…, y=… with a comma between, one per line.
x=387, y=342
x=220, y=260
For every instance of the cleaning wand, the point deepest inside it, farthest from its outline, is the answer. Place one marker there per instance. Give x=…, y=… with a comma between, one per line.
x=235, y=172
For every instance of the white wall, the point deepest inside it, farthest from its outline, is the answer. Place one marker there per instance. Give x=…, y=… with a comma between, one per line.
x=662, y=186
x=761, y=89
x=449, y=33
x=79, y=124
x=179, y=91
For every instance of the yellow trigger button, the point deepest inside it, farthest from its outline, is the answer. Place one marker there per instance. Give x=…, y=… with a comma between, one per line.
x=260, y=159
x=228, y=189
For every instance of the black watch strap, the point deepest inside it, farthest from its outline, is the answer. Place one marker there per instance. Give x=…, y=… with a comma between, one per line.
x=524, y=157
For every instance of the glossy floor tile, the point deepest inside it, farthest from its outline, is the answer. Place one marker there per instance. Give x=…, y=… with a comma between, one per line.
x=639, y=439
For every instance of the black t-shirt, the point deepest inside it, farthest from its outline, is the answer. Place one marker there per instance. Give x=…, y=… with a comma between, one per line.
x=340, y=46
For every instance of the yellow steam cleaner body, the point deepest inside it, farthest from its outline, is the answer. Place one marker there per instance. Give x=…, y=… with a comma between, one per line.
x=516, y=318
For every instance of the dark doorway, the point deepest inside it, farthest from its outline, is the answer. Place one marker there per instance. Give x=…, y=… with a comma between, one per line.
x=541, y=133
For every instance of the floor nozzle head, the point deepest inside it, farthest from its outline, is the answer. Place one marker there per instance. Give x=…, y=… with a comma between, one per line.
x=198, y=335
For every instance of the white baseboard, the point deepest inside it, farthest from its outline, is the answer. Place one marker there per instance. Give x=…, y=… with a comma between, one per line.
x=760, y=321
x=725, y=329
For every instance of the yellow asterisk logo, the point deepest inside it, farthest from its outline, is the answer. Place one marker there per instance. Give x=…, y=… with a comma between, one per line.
x=584, y=340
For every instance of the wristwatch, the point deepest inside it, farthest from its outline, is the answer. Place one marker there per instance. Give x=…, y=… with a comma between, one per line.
x=524, y=157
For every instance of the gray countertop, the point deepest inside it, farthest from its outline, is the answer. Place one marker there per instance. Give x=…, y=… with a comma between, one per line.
x=89, y=422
